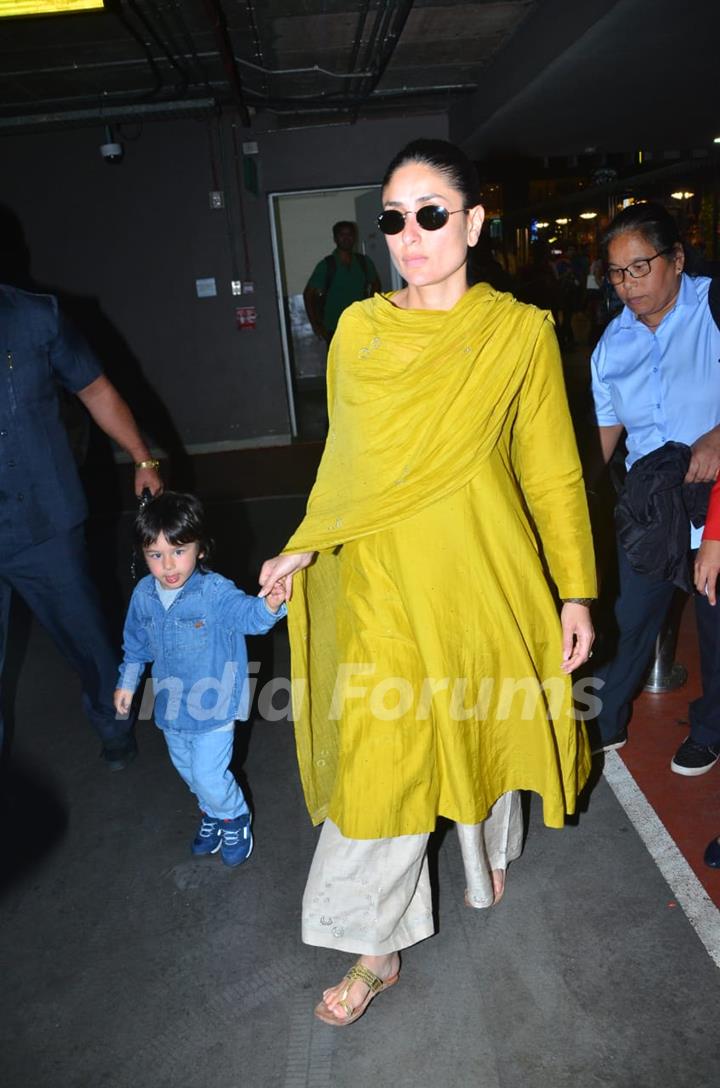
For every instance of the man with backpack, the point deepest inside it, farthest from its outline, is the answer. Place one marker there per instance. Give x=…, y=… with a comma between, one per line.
x=341, y=278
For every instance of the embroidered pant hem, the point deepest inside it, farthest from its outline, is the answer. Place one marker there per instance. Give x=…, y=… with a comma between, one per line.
x=373, y=897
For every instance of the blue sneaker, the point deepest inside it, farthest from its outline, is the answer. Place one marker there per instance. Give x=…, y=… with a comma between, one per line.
x=237, y=840
x=208, y=839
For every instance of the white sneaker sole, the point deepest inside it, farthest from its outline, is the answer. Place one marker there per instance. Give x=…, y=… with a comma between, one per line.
x=691, y=772
x=609, y=747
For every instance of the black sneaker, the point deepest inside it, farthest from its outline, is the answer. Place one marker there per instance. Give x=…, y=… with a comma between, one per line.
x=117, y=756
x=692, y=759
x=618, y=741
x=712, y=854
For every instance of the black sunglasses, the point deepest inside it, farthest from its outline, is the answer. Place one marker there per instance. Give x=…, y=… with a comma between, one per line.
x=429, y=217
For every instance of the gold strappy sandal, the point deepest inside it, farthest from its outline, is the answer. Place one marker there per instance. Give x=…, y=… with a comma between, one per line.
x=358, y=973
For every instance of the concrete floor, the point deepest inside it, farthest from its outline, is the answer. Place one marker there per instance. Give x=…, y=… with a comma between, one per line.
x=128, y=964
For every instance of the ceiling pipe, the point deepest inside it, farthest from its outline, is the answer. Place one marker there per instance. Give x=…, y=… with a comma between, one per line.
x=348, y=102
x=96, y=101
x=357, y=42
x=359, y=31
x=157, y=87
x=219, y=25
x=391, y=40
x=165, y=14
x=250, y=12
x=141, y=15
x=276, y=105
x=381, y=17
x=388, y=26
x=387, y=29
x=104, y=113
x=388, y=23
x=207, y=55
x=315, y=68
x=314, y=104
x=187, y=37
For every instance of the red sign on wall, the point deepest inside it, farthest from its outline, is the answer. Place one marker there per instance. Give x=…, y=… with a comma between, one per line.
x=245, y=317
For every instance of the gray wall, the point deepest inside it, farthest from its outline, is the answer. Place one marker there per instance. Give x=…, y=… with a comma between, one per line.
x=135, y=237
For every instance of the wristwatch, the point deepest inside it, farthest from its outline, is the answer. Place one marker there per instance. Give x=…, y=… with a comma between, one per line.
x=152, y=462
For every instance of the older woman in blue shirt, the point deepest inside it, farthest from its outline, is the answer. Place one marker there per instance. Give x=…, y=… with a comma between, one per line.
x=656, y=377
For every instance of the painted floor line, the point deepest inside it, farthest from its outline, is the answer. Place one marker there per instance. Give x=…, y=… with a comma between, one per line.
x=697, y=905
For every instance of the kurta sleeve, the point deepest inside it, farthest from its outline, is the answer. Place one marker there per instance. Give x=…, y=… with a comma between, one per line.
x=548, y=468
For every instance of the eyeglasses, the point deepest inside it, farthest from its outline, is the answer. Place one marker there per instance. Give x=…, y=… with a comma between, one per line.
x=429, y=217
x=636, y=269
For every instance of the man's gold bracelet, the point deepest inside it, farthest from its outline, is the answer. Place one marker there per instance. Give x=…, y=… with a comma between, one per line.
x=152, y=462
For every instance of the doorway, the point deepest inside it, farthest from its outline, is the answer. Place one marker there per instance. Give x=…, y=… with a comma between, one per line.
x=301, y=224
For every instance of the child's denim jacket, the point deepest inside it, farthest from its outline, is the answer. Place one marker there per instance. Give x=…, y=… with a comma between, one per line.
x=197, y=649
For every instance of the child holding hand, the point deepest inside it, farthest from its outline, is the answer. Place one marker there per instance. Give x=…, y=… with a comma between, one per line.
x=190, y=622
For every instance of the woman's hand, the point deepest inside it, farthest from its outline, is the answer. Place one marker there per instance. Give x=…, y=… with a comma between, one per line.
x=281, y=569
x=577, y=634
x=707, y=568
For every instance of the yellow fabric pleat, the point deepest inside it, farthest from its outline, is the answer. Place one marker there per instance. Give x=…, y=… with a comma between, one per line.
x=450, y=456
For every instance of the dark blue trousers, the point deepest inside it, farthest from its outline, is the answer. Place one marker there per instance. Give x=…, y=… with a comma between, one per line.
x=640, y=610
x=53, y=579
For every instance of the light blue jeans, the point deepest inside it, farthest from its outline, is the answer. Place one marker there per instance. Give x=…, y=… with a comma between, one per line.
x=202, y=761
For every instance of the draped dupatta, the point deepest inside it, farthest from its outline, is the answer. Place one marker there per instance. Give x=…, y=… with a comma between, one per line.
x=417, y=401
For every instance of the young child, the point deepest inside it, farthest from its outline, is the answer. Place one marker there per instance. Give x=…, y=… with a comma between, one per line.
x=189, y=622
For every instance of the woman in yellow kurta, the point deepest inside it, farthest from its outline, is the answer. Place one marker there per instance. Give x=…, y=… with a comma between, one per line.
x=431, y=675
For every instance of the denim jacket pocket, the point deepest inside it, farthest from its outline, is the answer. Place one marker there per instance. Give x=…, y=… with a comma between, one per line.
x=190, y=636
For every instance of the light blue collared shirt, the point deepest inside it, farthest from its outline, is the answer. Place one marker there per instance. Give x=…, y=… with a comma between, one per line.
x=662, y=386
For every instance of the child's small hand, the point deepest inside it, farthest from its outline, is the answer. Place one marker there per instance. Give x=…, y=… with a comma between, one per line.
x=122, y=700
x=276, y=596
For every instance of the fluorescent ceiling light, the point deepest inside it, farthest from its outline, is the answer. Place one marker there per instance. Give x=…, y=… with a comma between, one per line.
x=46, y=7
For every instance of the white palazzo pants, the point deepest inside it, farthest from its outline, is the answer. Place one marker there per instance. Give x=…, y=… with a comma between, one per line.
x=372, y=896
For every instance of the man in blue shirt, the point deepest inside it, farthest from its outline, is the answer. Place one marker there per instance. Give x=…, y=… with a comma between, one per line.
x=656, y=377
x=42, y=505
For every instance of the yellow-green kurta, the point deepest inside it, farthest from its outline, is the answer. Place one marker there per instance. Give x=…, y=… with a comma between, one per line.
x=425, y=640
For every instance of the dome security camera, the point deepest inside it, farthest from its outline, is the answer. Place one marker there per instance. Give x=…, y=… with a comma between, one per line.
x=111, y=150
